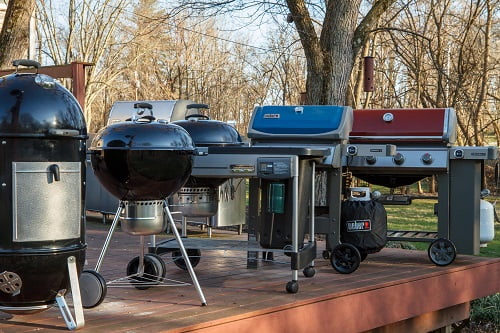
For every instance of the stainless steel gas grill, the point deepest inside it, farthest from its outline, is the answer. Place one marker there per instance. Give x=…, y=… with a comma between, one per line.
x=425, y=141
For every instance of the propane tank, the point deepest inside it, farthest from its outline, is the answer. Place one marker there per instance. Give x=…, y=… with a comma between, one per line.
x=486, y=220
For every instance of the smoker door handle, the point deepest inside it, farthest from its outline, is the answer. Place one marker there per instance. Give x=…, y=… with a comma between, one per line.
x=54, y=169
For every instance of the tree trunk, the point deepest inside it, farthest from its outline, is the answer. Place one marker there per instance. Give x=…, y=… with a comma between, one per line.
x=14, y=38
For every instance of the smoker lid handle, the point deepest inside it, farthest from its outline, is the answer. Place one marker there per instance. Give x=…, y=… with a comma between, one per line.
x=26, y=63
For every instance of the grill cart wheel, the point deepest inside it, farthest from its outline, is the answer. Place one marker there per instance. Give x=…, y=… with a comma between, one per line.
x=93, y=288
x=442, y=252
x=193, y=254
x=154, y=271
x=309, y=271
x=292, y=286
x=345, y=258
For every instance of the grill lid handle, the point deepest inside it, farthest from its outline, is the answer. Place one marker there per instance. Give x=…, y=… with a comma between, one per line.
x=197, y=106
x=197, y=115
x=26, y=63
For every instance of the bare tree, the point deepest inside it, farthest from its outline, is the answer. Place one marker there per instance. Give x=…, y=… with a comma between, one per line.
x=14, y=37
x=329, y=53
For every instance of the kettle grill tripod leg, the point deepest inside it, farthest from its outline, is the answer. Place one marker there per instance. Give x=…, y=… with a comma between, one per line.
x=108, y=238
x=184, y=254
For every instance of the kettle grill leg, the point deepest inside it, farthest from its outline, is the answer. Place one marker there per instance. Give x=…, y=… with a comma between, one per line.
x=108, y=237
x=184, y=254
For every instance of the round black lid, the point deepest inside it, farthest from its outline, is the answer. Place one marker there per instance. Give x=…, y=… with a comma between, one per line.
x=142, y=135
x=207, y=132
x=37, y=105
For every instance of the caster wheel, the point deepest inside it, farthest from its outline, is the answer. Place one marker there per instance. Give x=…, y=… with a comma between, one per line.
x=92, y=288
x=154, y=271
x=193, y=254
x=363, y=254
x=309, y=271
x=345, y=258
x=292, y=287
x=326, y=254
x=442, y=252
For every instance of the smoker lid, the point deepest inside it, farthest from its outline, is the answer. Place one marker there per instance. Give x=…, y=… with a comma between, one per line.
x=142, y=135
x=304, y=122
x=37, y=105
x=437, y=125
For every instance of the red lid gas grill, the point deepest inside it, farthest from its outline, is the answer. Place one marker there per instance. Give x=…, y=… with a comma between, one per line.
x=424, y=140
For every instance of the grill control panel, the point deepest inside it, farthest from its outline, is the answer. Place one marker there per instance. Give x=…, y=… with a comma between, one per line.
x=275, y=168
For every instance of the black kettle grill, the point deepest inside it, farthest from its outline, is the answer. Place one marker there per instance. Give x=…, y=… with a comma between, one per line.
x=142, y=161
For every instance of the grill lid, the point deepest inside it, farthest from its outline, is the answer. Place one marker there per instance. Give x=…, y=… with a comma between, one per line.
x=303, y=123
x=206, y=132
x=37, y=105
x=405, y=125
x=142, y=134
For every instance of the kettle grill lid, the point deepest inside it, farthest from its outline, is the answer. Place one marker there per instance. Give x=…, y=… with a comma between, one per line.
x=139, y=135
x=206, y=132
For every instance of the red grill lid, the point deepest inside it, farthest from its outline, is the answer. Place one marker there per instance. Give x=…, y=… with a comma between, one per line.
x=411, y=125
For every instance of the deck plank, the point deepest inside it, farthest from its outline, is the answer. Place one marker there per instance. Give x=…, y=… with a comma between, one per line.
x=402, y=282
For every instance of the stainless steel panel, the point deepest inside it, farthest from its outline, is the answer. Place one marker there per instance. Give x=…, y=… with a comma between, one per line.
x=413, y=161
x=46, y=209
x=232, y=203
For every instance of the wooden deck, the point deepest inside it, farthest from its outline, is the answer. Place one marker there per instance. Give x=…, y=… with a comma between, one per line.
x=394, y=290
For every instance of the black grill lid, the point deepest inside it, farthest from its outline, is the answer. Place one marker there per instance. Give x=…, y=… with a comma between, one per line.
x=142, y=134
x=206, y=132
x=35, y=104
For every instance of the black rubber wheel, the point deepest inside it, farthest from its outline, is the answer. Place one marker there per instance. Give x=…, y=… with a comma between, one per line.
x=345, y=258
x=326, y=254
x=442, y=252
x=292, y=287
x=193, y=254
x=309, y=271
x=154, y=271
x=93, y=288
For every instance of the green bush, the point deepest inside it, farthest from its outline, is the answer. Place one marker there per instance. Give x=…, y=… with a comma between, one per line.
x=486, y=310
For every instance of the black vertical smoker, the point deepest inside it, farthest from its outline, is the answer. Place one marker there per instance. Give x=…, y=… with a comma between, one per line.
x=42, y=186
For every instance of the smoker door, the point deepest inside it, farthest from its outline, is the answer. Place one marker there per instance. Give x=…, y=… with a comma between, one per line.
x=47, y=201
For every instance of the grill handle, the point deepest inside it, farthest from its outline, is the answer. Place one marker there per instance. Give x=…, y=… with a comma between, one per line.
x=54, y=169
x=26, y=63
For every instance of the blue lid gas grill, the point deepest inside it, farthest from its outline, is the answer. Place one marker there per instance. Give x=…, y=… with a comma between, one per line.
x=286, y=145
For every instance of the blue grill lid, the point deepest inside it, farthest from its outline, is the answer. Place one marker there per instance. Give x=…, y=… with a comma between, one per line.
x=304, y=122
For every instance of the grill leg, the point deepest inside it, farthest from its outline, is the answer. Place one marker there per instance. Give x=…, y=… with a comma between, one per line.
x=108, y=238
x=79, y=321
x=185, y=255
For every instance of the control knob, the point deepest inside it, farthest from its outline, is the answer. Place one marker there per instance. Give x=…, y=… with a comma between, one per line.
x=399, y=159
x=371, y=160
x=427, y=158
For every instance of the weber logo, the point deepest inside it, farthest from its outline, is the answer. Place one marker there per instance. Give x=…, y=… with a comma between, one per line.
x=359, y=225
x=271, y=116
